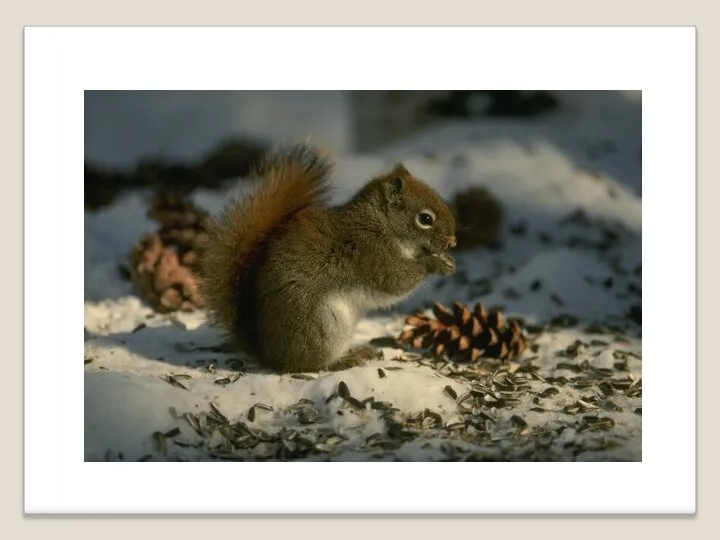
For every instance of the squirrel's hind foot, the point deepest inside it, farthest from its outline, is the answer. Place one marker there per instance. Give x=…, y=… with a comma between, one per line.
x=357, y=357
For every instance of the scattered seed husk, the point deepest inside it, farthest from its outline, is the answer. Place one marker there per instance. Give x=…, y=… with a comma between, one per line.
x=216, y=411
x=381, y=405
x=608, y=405
x=266, y=407
x=304, y=376
x=160, y=442
x=455, y=425
x=594, y=423
x=451, y=392
x=368, y=400
x=586, y=406
x=602, y=372
x=138, y=328
x=571, y=409
x=596, y=328
x=251, y=414
x=571, y=367
x=548, y=392
x=172, y=433
x=564, y=321
x=170, y=379
x=355, y=403
x=621, y=384
x=494, y=387
x=343, y=390
x=223, y=382
x=324, y=447
x=88, y=360
x=393, y=368
x=193, y=422
x=534, y=328
x=187, y=444
x=427, y=413
x=381, y=373
x=511, y=294
x=635, y=389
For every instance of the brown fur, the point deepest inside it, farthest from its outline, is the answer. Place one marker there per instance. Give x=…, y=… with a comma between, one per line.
x=236, y=240
x=287, y=276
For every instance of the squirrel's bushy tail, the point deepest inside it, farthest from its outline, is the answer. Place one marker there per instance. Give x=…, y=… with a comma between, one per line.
x=291, y=179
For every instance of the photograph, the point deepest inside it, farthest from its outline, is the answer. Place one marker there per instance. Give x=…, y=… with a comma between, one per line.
x=363, y=275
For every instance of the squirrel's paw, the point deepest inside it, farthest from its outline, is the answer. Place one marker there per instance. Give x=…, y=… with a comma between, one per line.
x=357, y=357
x=441, y=264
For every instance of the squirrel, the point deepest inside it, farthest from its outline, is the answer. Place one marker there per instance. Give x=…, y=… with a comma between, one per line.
x=287, y=276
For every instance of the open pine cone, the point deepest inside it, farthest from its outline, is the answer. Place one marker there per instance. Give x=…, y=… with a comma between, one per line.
x=162, y=264
x=182, y=224
x=464, y=335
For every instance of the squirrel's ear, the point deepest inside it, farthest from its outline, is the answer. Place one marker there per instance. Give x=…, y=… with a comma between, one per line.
x=393, y=188
x=400, y=170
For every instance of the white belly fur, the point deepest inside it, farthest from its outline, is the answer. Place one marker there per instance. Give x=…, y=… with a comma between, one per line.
x=344, y=309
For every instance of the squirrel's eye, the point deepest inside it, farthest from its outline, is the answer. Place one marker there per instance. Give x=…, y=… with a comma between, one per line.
x=425, y=219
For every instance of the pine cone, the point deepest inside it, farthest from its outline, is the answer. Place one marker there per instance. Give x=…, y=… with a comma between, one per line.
x=182, y=223
x=462, y=335
x=162, y=264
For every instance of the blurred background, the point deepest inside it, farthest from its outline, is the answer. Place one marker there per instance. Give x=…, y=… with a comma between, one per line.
x=201, y=138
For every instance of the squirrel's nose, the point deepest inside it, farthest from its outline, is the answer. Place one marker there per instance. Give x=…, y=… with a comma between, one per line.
x=452, y=242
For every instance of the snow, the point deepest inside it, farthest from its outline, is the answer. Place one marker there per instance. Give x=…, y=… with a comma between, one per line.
x=122, y=127
x=540, y=171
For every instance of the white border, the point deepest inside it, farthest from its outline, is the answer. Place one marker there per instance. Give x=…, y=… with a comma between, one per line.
x=62, y=62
